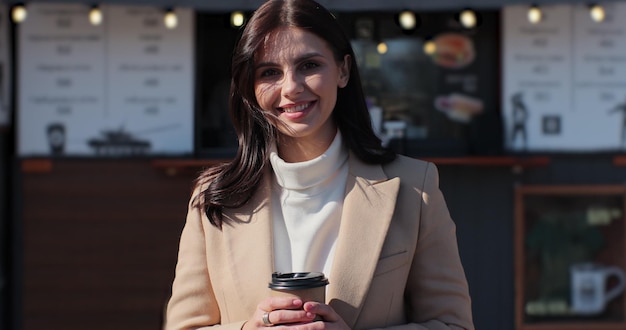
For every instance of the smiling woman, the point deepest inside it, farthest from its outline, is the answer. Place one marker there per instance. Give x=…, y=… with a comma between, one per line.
x=311, y=183
x=297, y=85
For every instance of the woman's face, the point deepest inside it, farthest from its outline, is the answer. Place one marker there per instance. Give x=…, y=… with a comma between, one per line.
x=296, y=80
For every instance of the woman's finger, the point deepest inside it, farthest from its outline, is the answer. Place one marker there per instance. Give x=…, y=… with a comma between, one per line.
x=287, y=316
x=279, y=310
x=272, y=303
x=331, y=319
x=326, y=312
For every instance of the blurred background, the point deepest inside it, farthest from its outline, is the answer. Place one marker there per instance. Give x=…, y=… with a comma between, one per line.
x=109, y=110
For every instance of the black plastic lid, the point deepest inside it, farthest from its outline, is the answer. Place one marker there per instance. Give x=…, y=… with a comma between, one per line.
x=297, y=281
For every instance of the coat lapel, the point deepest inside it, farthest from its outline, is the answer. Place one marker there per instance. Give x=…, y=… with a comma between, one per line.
x=249, y=245
x=367, y=212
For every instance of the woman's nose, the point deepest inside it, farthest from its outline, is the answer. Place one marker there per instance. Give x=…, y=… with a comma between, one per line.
x=292, y=84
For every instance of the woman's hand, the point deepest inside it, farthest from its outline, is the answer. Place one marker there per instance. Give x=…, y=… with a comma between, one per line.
x=276, y=311
x=331, y=320
x=282, y=311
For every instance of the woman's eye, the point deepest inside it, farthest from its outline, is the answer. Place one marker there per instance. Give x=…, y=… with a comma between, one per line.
x=269, y=73
x=310, y=65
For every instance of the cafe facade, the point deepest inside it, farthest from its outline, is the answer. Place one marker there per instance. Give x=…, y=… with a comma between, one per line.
x=104, y=124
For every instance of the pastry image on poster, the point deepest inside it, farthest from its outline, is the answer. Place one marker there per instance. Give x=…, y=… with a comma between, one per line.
x=459, y=107
x=453, y=51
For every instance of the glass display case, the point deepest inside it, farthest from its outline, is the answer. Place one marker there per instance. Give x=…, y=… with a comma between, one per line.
x=570, y=257
x=435, y=85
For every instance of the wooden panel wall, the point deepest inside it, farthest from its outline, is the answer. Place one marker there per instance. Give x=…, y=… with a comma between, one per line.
x=100, y=240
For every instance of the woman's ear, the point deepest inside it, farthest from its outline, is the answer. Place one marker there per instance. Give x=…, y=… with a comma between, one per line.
x=344, y=71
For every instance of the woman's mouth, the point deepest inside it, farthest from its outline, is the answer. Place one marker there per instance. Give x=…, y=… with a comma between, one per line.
x=296, y=108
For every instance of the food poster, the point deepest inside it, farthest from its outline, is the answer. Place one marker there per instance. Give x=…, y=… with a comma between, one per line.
x=435, y=85
x=70, y=99
x=464, y=101
x=564, y=79
x=5, y=114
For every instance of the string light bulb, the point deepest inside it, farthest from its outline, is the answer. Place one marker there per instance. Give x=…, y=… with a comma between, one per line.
x=95, y=15
x=382, y=48
x=534, y=14
x=237, y=19
x=407, y=20
x=19, y=13
x=430, y=48
x=597, y=13
x=170, y=19
x=468, y=18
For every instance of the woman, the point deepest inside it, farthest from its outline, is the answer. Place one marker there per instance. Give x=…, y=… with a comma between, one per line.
x=311, y=189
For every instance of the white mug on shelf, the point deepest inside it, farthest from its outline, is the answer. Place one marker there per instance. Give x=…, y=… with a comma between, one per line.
x=589, y=292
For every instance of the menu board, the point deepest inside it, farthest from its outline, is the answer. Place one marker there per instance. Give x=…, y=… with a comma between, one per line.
x=564, y=79
x=599, y=84
x=121, y=88
x=150, y=89
x=61, y=90
x=4, y=66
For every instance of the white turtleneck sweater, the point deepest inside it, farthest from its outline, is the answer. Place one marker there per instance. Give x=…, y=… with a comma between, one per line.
x=307, y=199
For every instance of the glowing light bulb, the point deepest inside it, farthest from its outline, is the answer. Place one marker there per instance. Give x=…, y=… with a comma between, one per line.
x=534, y=15
x=407, y=20
x=95, y=16
x=237, y=19
x=382, y=48
x=170, y=19
x=468, y=18
x=19, y=13
x=430, y=48
x=597, y=13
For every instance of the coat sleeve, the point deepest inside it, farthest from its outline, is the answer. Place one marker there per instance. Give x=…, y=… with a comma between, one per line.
x=437, y=292
x=192, y=304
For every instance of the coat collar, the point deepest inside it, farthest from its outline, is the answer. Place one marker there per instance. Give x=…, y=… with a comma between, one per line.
x=248, y=240
x=367, y=212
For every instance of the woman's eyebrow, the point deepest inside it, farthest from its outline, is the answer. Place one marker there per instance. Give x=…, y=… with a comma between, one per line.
x=264, y=65
x=298, y=59
x=307, y=56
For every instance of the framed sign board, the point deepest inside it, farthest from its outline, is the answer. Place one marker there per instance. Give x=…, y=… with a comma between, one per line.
x=563, y=79
x=121, y=88
x=569, y=257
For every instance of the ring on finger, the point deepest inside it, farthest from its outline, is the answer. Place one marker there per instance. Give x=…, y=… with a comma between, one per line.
x=266, y=319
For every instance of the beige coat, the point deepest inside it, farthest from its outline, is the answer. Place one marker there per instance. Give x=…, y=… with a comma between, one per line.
x=396, y=262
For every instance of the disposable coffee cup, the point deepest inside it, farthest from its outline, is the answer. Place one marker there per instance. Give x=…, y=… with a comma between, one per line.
x=308, y=286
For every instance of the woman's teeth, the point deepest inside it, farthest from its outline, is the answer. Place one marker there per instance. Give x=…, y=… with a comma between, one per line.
x=296, y=108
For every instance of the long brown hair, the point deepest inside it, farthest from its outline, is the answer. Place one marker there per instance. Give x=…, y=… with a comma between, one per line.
x=232, y=184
